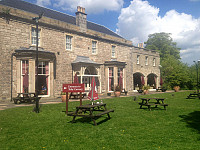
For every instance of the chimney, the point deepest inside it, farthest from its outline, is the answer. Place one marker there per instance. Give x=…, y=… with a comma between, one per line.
x=140, y=45
x=81, y=18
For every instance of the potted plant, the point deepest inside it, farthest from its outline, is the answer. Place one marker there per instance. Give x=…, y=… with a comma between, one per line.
x=63, y=96
x=117, y=91
x=146, y=89
x=176, y=88
x=140, y=89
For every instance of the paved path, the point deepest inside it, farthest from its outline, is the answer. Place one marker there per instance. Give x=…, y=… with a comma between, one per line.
x=10, y=104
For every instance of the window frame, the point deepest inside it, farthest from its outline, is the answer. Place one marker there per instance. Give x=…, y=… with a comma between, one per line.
x=138, y=59
x=146, y=60
x=94, y=49
x=35, y=36
x=70, y=43
x=154, y=62
x=113, y=47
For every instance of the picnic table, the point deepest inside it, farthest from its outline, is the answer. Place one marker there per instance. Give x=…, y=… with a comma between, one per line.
x=76, y=95
x=90, y=111
x=156, y=102
x=193, y=95
x=124, y=91
x=25, y=97
x=160, y=89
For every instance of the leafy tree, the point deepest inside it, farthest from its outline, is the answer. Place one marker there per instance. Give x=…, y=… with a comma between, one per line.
x=163, y=43
x=173, y=71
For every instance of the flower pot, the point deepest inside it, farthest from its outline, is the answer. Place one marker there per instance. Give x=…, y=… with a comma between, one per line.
x=146, y=92
x=63, y=98
x=176, y=88
x=117, y=93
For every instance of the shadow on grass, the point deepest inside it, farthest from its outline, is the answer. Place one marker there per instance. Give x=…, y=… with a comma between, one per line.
x=192, y=120
x=89, y=120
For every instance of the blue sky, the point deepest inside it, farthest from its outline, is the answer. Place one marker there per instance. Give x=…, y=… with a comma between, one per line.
x=136, y=19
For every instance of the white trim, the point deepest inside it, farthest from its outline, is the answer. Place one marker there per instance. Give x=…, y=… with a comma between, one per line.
x=89, y=75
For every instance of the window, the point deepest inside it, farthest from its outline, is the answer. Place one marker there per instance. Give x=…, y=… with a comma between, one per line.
x=94, y=47
x=154, y=62
x=120, y=77
x=25, y=75
x=146, y=60
x=34, y=36
x=138, y=59
x=43, y=77
x=69, y=42
x=113, y=51
x=111, y=79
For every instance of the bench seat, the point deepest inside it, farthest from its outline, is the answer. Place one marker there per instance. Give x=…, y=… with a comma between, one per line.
x=193, y=95
x=104, y=112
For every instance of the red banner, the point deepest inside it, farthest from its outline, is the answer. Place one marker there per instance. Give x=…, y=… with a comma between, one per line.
x=73, y=88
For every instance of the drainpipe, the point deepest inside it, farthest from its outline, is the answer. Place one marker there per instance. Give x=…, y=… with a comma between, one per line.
x=13, y=54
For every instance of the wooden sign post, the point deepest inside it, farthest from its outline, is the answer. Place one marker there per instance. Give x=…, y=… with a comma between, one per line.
x=73, y=88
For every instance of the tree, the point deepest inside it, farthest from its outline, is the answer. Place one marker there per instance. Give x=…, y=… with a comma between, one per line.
x=173, y=71
x=163, y=43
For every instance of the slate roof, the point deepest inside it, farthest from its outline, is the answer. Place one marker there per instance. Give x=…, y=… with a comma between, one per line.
x=85, y=60
x=29, y=7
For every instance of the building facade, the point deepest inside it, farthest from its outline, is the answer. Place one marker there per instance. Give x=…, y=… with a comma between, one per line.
x=67, y=46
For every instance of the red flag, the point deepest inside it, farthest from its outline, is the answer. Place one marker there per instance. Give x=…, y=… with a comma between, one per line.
x=93, y=94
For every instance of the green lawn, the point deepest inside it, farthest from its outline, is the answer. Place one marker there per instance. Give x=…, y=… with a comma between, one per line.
x=129, y=127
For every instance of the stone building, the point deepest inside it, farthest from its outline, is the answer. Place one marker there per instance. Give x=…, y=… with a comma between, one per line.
x=68, y=45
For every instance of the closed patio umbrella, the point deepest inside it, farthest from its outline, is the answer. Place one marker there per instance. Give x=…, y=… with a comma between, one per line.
x=76, y=79
x=161, y=81
x=93, y=95
x=142, y=80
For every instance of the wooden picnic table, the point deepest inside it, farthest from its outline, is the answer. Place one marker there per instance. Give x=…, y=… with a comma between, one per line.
x=25, y=97
x=76, y=95
x=90, y=111
x=193, y=95
x=146, y=102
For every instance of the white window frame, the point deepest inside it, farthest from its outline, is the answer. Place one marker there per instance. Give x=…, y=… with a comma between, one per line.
x=154, y=62
x=110, y=77
x=48, y=75
x=113, y=51
x=21, y=70
x=34, y=36
x=138, y=59
x=146, y=60
x=94, y=47
x=69, y=42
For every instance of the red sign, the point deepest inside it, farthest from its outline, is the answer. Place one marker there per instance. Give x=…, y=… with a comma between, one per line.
x=73, y=88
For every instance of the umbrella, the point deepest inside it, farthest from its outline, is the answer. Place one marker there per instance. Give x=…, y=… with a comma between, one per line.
x=76, y=79
x=161, y=81
x=93, y=94
x=142, y=80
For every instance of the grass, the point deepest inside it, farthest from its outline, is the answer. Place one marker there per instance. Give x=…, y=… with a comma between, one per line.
x=129, y=127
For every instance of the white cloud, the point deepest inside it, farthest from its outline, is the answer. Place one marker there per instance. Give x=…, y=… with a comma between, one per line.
x=43, y=2
x=140, y=19
x=91, y=6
